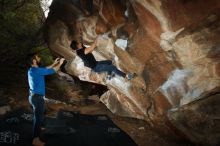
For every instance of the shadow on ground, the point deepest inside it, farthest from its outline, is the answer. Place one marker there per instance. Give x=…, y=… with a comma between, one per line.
x=68, y=129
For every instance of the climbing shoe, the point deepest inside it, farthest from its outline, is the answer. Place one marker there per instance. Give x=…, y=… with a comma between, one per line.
x=130, y=76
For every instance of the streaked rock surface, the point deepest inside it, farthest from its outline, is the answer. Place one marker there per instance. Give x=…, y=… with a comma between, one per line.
x=173, y=46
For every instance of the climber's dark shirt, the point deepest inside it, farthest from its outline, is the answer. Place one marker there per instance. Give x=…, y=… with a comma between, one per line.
x=88, y=59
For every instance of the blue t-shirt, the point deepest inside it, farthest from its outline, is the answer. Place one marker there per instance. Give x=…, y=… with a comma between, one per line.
x=36, y=79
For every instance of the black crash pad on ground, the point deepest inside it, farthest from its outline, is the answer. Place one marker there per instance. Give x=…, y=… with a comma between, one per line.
x=73, y=129
x=15, y=128
x=67, y=129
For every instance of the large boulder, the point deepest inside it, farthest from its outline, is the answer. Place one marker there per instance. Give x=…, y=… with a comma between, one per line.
x=173, y=46
x=199, y=120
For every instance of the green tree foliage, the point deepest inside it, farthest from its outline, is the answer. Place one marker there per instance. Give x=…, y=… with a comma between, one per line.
x=20, y=24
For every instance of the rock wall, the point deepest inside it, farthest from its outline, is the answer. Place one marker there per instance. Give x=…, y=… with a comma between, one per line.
x=173, y=46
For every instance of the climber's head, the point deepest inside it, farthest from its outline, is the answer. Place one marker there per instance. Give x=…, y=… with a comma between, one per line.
x=76, y=45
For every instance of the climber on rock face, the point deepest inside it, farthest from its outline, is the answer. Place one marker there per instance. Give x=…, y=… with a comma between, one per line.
x=97, y=66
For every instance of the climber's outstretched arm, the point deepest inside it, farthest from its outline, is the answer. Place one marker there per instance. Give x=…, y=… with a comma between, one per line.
x=91, y=48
